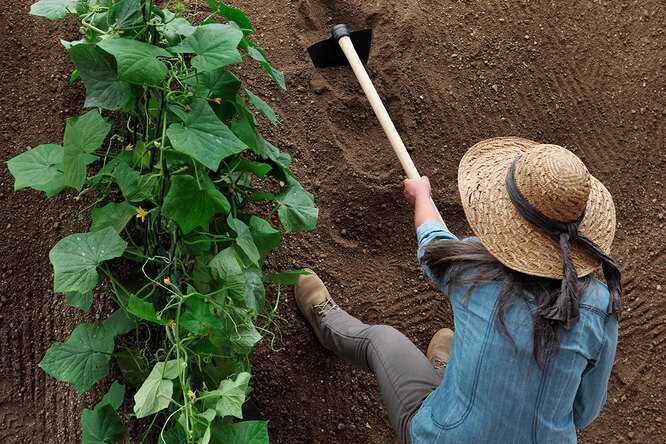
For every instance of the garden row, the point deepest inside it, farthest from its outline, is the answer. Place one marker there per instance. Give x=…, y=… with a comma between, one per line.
x=184, y=193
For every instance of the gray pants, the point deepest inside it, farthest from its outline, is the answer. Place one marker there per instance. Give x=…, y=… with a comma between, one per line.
x=404, y=374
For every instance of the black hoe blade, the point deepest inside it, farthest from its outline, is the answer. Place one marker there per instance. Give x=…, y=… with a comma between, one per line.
x=328, y=53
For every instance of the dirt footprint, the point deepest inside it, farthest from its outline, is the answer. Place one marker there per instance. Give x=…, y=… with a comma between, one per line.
x=318, y=16
x=314, y=14
x=361, y=139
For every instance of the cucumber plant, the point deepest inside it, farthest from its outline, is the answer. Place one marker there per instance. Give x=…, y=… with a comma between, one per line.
x=184, y=194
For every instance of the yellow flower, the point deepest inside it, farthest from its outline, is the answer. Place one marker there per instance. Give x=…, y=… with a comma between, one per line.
x=141, y=214
x=184, y=168
x=217, y=100
x=167, y=280
x=129, y=147
x=76, y=198
x=172, y=325
x=191, y=394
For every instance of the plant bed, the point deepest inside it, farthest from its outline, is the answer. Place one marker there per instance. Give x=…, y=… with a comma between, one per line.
x=184, y=193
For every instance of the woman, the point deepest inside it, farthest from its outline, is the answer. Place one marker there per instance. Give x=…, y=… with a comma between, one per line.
x=535, y=333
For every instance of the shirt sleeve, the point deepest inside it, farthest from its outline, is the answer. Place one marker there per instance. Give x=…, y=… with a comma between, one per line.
x=593, y=388
x=427, y=232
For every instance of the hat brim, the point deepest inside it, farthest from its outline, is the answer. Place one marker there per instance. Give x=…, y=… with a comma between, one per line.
x=515, y=242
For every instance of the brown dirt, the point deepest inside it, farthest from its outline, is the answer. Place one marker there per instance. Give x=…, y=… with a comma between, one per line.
x=589, y=77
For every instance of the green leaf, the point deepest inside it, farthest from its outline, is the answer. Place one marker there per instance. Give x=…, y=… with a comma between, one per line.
x=53, y=187
x=230, y=396
x=198, y=317
x=265, y=236
x=87, y=132
x=243, y=126
x=215, y=46
x=133, y=365
x=279, y=157
x=101, y=426
x=203, y=136
x=255, y=293
x=75, y=170
x=54, y=9
x=197, y=245
x=259, y=196
x=97, y=69
x=126, y=13
x=82, y=301
x=143, y=310
x=113, y=397
x=208, y=415
x=83, y=359
x=262, y=106
x=245, y=432
x=155, y=392
x=119, y=323
x=75, y=165
x=286, y=277
x=234, y=286
x=259, y=169
x=36, y=167
x=83, y=135
x=217, y=83
x=137, y=61
x=135, y=186
x=226, y=263
x=141, y=155
x=191, y=206
x=202, y=277
x=75, y=258
x=258, y=55
x=174, y=26
x=244, y=239
x=114, y=215
x=235, y=15
x=205, y=438
x=246, y=336
x=296, y=209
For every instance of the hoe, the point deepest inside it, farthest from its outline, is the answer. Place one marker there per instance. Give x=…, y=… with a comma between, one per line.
x=353, y=48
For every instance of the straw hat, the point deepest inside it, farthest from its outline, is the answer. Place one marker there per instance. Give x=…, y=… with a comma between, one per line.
x=554, y=181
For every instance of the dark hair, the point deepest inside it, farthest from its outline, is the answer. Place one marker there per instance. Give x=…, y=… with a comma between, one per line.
x=475, y=265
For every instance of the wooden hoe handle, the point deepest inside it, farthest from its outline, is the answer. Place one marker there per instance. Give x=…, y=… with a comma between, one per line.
x=379, y=109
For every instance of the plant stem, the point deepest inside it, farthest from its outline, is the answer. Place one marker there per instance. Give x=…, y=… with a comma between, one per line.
x=115, y=283
x=181, y=376
x=94, y=28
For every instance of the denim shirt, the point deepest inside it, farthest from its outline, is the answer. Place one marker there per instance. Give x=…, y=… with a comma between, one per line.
x=494, y=391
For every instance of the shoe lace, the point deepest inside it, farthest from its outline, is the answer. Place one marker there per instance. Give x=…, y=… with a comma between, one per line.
x=325, y=307
x=437, y=363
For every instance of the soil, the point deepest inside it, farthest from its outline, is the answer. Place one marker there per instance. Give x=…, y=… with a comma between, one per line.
x=588, y=76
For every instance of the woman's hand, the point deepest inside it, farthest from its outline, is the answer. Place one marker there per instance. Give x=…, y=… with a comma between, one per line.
x=417, y=193
x=417, y=190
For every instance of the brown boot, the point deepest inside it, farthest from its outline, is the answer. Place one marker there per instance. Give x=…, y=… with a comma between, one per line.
x=313, y=299
x=439, y=348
